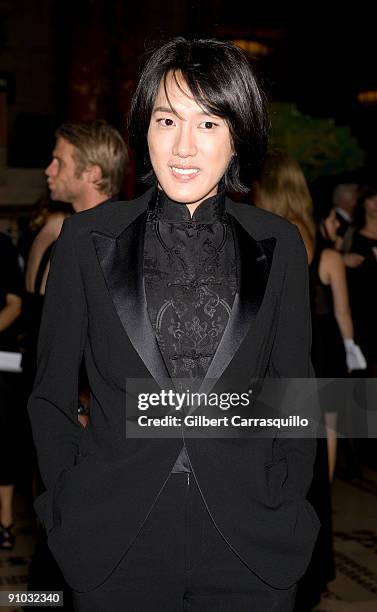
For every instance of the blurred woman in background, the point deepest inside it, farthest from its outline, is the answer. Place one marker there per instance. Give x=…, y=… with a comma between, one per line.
x=360, y=256
x=334, y=352
x=44, y=230
x=282, y=189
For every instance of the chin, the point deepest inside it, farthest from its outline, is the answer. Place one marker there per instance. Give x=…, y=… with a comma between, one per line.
x=185, y=194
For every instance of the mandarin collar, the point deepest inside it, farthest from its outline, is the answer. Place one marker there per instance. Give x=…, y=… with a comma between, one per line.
x=210, y=210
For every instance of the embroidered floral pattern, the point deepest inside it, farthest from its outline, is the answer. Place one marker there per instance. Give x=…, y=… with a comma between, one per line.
x=190, y=281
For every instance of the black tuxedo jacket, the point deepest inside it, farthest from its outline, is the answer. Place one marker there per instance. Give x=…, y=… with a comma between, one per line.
x=101, y=486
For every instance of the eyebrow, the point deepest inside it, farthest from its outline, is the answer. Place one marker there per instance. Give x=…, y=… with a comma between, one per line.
x=163, y=109
x=167, y=109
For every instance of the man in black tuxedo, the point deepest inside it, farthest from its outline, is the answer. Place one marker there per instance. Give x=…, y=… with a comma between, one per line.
x=345, y=198
x=179, y=284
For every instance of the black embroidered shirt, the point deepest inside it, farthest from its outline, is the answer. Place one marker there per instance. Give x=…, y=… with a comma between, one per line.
x=190, y=281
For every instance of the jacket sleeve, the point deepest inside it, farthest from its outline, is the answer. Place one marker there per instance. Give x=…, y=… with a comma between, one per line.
x=290, y=357
x=52, y=406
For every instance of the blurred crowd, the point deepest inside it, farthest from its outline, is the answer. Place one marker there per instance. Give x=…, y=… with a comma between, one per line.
x=340, y=236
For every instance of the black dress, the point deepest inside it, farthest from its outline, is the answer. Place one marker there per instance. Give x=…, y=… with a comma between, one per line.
x=32, y=307
x=362, y=283
x=10, y=283
x=328, y=353
x=328, y=358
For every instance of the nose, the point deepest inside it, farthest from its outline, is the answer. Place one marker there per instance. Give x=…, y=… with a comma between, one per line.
x=184, y=142
x=51, y=169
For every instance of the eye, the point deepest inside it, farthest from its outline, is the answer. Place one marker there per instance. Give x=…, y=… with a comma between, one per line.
x=165, y=122
x=208, y=125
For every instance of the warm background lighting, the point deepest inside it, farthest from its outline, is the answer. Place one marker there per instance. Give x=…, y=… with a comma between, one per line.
x=253, y=47
x=367, y=97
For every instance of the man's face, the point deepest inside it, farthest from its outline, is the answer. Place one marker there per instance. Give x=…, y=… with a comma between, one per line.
x=189, y=152
x=62, y=178
x=351, y=193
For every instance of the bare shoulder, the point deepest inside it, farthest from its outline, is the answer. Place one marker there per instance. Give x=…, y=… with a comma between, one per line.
x=333, y=258
x=332, y=265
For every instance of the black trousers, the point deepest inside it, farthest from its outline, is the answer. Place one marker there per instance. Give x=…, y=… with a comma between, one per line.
x=180, y=562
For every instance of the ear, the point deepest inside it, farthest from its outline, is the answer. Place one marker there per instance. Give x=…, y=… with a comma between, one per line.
x=93, y=173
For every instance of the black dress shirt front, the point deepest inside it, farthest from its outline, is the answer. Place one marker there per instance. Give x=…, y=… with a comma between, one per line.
x=190, y=282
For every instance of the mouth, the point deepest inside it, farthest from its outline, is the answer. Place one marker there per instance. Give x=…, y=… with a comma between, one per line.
x=183, y=173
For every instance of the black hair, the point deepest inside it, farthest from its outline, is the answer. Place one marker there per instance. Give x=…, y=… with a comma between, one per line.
x=359, y=217
x=223, y=83
x=322, y=209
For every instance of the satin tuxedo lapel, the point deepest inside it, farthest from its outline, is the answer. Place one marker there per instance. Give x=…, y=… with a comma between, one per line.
x=121, y=260
x=254, y=264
